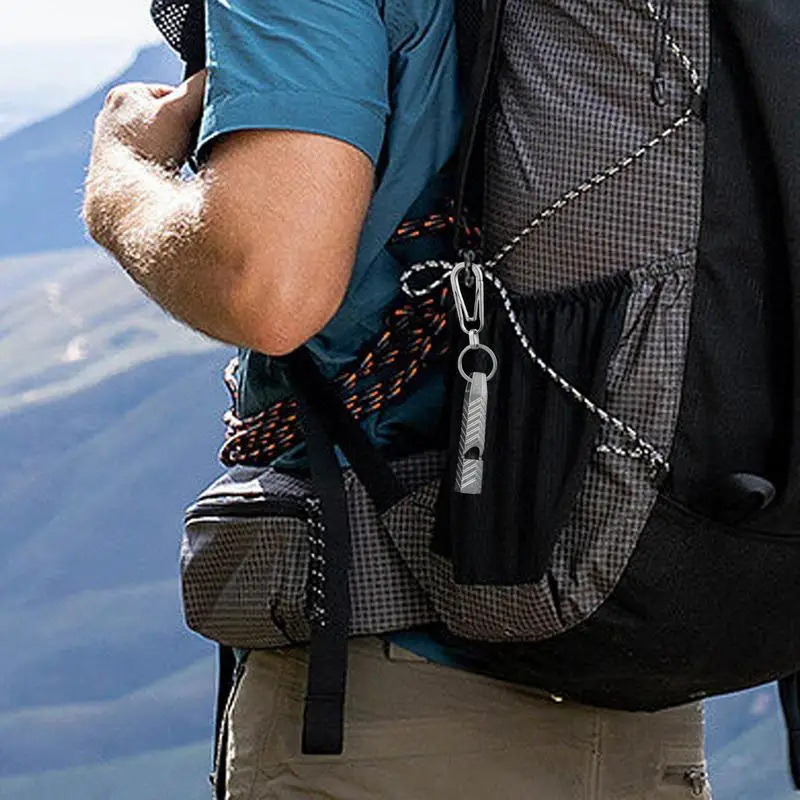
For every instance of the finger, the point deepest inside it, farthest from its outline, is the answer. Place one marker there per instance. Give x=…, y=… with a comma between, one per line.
x=118, y=95
x=159, y=90
x=139, y=92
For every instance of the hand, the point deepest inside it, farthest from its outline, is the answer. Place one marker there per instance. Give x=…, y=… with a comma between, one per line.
x=152, y=120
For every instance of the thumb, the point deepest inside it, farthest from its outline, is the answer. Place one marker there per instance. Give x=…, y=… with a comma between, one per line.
x=159, y=90
x=187, y=99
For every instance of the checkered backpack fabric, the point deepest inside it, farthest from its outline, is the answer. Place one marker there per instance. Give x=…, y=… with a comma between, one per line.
x=616, y=515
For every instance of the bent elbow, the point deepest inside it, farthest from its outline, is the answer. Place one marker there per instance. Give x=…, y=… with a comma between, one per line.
x=278, y=317
x=274, y=340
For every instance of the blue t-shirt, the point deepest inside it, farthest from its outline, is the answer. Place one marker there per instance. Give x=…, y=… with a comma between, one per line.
x=382, y=76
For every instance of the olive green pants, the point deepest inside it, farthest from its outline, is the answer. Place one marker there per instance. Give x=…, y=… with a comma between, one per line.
x=421, y=731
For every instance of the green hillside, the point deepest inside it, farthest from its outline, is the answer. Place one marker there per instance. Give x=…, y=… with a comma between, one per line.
x=100, y=454
x=71, y=319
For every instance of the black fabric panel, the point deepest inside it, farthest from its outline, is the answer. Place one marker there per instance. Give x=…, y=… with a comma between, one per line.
x=183, y=24
x=768, y=34
x=538, y=438
x=738, y=405
x=476, y=99
x=700, y=610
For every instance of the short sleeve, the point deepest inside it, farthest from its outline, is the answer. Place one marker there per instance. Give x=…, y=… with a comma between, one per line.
x=318, y=66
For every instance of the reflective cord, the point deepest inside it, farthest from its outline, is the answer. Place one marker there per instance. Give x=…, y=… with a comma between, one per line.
x=643, y=449
x=675, y=48
x=656, y=460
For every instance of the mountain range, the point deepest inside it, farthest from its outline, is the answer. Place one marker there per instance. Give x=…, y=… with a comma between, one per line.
x=39, y=78
x=42, y=166
x=109, y=421
x=109, y=424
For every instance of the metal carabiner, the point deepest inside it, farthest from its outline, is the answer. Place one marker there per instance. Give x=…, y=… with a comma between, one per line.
x=469, y=320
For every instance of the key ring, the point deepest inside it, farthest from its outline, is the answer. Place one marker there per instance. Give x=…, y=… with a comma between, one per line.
x=477, y=346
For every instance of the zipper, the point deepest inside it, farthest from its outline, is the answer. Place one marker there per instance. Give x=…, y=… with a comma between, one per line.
x=247, y=507
x=693, y=776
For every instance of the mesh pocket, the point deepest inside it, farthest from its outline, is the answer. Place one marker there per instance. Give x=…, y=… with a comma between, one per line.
x=642, y=385
x=538, y=438
x=245, y=559
x=244, y=579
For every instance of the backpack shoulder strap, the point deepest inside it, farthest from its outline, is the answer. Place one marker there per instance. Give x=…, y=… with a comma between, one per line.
x=485, y=57
x=183, y=24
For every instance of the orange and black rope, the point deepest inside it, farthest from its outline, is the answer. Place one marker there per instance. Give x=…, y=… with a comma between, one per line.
x=416, y=334
x=432, y=224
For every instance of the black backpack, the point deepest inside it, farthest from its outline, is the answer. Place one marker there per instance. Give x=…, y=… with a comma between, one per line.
x=616, y=517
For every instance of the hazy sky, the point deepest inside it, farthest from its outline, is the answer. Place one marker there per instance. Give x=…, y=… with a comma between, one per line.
x=47, y=21
x=52, y=52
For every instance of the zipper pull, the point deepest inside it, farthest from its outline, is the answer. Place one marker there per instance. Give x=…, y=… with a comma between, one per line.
x=658, y=84
x=469, y=466
x=697, y=778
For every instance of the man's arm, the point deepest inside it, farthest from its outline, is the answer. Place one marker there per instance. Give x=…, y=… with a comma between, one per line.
x=257, y=250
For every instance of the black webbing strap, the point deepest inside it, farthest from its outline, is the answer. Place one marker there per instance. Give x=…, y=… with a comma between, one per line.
x=323, y=727
x=226, y=668
x=789, y=689
x=366, y=460
x=474, y=114
x=327, y=421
